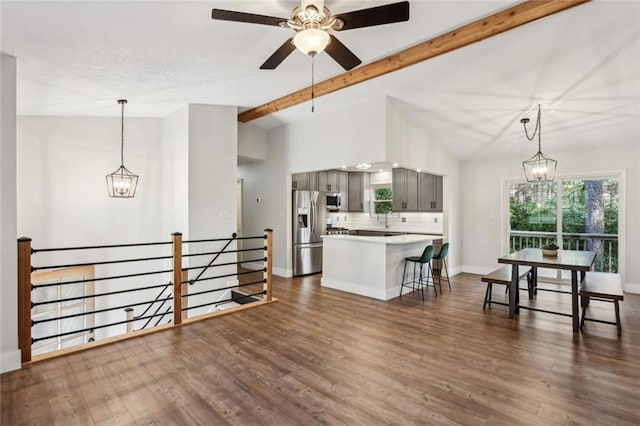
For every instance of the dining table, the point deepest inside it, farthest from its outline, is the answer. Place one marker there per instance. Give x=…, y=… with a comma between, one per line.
x=576, y=261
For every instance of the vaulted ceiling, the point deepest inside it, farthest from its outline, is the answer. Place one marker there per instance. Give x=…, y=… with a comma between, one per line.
x=582, y=65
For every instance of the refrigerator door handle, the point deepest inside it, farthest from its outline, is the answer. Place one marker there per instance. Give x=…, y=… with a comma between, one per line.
x=313, y=217
x=310, y=246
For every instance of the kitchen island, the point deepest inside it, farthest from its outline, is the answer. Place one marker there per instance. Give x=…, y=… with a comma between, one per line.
x=369, y=265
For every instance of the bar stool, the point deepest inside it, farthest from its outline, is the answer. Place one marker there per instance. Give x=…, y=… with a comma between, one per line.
x=427, y=256
x=444, y=250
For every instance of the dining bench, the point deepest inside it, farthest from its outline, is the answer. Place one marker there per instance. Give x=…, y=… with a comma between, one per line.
x=502, y=275
x=605, y=287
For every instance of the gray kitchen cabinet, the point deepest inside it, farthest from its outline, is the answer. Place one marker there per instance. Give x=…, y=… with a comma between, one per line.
x=358, y=185
x=313, y=181
x=300, y=181
x=328, y=181
x=429, y=193
x=405, y=190
x=343, y=188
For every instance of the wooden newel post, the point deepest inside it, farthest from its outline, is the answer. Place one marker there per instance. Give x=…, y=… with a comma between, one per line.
x=268, y=255
x=24, y=298
x=177, y=278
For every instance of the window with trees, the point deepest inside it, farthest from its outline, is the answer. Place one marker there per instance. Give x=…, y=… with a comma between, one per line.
x=576, y=214
x=382, y=199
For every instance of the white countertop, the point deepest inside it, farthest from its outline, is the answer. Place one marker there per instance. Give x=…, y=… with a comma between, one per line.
x=394, y=239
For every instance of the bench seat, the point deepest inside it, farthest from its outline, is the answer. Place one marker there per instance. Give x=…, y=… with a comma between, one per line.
x=502, y=275
x=601, y=286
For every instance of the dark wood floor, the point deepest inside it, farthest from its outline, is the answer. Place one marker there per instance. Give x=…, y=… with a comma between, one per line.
x=323, y=356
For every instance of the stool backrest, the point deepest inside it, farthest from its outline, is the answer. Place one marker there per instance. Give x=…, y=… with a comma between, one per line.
x=443, y=251
x=427, y=255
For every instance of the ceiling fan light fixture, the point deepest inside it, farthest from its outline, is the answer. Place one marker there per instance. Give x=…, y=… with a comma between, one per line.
x=311, y=41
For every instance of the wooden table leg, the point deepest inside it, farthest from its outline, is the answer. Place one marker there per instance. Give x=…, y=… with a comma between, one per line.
x=513, y=290
x=575, y=313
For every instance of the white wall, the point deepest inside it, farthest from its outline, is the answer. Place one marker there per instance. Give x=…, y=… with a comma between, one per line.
x=62, y=191
x=354, y=134
x=213, y=141
x=9, y=353
x=175, y=176
x=482, y=212
x=252, y=143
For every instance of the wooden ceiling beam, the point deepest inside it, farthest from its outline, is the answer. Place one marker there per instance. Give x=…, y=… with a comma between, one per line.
x=481, y=29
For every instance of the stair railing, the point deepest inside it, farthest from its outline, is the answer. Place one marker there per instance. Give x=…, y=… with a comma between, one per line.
x=105, y=277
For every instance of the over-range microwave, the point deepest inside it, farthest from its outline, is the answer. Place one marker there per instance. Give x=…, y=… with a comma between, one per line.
x=334, y=201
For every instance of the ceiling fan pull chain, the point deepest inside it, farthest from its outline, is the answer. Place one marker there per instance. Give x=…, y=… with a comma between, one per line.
x=313, y=85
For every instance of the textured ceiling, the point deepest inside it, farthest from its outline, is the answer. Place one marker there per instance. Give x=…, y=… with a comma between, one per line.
x=582, y=65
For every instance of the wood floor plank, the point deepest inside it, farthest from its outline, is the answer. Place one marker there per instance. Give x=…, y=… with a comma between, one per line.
x=321, y=356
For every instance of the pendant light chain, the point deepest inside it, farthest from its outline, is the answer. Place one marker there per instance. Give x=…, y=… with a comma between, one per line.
x=122, y=134
x=537, y=130
x=539, y=168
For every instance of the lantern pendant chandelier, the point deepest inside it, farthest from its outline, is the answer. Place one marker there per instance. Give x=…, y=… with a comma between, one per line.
x=122, y=183
x=538, y=168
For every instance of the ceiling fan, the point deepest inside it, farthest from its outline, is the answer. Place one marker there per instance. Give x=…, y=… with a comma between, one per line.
x=312, y=21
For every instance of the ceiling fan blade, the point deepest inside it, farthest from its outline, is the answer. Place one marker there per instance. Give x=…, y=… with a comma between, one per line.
x=230, y=15
x=279, y=55
x=341, y=54
x=387, y=14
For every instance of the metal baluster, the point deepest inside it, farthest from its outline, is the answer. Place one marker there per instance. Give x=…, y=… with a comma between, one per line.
x=609, y=244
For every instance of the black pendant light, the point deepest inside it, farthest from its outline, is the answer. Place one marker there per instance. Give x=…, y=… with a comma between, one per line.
x=538, y=168
x=122, y=183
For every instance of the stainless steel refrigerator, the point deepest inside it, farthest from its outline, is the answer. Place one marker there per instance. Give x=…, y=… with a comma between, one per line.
x=309, y=223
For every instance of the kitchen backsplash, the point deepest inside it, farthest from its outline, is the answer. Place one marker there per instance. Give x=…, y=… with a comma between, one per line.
x=414, y=222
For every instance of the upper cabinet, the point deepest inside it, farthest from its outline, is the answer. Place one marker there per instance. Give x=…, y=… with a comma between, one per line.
x=343, y=188
x=328, y=181
x=405, y=190
x=429, y=193
x=358, y=189
x=300, y=181
x=413, y=191
x=313, y=181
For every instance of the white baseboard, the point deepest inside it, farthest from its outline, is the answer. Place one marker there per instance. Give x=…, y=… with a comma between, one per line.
x=282, y=272
x=254, y=266
x=455, y=271
x=632, y=288
x=10, y=361
x=480, y=270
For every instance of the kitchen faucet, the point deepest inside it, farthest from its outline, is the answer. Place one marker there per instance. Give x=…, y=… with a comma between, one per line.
x=385, y=221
